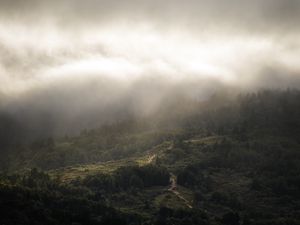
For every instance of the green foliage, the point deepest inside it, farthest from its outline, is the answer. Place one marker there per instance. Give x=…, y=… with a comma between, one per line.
x=36, y=199
x=236, y=161
x=129, y=177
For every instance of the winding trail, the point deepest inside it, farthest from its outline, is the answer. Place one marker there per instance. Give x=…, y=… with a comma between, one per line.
x=173, y=181
x=173, y=187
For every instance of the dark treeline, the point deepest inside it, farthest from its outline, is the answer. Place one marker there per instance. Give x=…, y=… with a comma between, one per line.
x=266, y=112
x=36, y=199
x=129, y=178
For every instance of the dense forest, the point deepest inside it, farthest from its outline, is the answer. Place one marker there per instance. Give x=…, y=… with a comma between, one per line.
x=228, y=160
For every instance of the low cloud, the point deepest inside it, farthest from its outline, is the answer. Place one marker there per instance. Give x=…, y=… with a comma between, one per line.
x=67, y=65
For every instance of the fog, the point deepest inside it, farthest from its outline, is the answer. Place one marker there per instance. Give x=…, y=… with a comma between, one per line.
x=68, y=65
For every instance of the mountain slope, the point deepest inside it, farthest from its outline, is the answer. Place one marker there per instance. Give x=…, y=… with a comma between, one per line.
x=230, y=161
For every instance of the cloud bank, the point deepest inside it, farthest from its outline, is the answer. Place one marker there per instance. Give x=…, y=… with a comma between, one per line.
x=74, y=62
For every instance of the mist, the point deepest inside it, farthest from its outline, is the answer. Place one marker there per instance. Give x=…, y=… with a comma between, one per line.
x=70, y=65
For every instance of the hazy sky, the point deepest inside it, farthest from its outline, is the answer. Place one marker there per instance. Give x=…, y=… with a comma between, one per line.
x=97, y=52
x=232, y=41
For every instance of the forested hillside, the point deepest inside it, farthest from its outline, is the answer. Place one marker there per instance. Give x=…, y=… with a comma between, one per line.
x=227, y=160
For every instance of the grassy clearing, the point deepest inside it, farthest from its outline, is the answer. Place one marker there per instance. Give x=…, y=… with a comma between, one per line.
x=77, y=172
x=68, y=174
x=168, y=199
